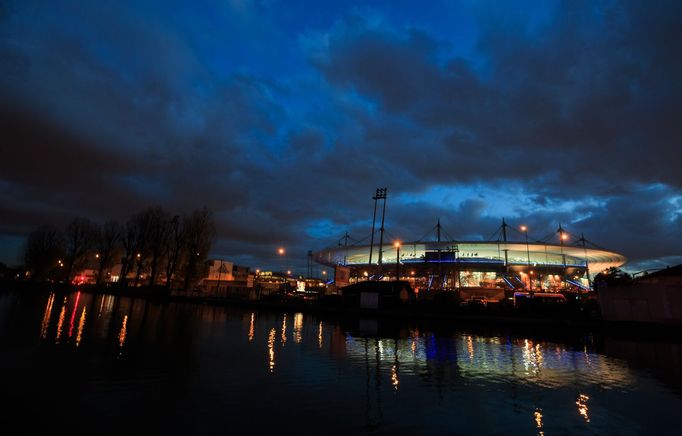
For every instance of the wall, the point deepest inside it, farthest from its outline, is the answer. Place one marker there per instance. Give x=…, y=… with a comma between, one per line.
x=642, y=303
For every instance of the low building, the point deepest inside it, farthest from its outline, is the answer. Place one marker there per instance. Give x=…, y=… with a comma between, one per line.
x=219, y=275
x=654, y=298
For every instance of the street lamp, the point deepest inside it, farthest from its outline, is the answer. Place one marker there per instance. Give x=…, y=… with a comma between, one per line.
x=397, y=261
x=562, y=237
x=524, y=229
x=282, y=253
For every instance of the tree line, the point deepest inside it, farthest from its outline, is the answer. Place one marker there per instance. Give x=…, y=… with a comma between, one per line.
x=153, y=247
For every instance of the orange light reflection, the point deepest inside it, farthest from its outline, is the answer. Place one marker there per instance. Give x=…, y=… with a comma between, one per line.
x=81, y=324
x=46, y=316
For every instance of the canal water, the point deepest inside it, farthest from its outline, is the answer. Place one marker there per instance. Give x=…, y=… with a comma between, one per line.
x=82, y=363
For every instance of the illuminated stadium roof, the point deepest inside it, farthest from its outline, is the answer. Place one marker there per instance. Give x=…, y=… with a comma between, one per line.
x=469, y=254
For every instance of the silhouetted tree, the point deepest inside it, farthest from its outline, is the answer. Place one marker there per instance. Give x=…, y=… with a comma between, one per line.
x=612, y=276
x=142, y=224
x=134, y=243
x=129, y=243
x=79, y=239
x=107, y=239
x=174, y=245
x=43, y=252
x=199, y=231
x=159, y=232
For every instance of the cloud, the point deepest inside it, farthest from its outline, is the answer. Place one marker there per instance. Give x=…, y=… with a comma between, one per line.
x=284, y=124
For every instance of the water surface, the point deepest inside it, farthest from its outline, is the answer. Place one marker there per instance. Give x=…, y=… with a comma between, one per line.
x=106, y=364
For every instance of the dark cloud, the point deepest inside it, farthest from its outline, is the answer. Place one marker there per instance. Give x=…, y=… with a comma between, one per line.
x=284, y=124
x=581, y=98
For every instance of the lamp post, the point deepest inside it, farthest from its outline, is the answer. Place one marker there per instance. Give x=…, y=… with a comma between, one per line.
x=397, y=261
x=587, y=264
x=282, y=252
x=562, y=237
x=524, y=229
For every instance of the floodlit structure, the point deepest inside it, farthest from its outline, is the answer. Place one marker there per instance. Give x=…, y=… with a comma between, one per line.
x=528, y=265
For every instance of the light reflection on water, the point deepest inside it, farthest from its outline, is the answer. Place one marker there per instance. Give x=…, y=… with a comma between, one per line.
x=46, y=316
x=60, y=323
x=81, y=324
x=538, y=421
x=409, y=379
x=252, y=329
x=271, y=349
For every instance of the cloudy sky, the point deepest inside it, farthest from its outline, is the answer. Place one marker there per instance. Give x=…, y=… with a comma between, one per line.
x=283, y=117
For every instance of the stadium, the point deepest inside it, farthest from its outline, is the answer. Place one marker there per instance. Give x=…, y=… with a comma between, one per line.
x=560, y=262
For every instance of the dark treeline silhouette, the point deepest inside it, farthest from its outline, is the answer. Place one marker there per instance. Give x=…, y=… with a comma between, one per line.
x=611, y=277
x=154, y=248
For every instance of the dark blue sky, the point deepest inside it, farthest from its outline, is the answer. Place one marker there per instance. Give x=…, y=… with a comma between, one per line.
x=283, y=117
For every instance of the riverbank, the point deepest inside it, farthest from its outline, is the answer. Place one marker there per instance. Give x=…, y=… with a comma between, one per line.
x=555, y=318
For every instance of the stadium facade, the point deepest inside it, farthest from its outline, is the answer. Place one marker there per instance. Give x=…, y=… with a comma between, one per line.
x=498, y=264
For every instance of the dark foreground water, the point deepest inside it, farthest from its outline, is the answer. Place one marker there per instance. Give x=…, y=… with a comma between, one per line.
x=94, y=364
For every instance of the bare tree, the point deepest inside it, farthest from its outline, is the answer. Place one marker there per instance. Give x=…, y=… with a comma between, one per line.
x=143, y=224
x=135, y=243
x=174, y=246
x=107, y=241
x=199, y=233
x=43, y=252
x=79, y=239
x=159, y=232
x=129, y=241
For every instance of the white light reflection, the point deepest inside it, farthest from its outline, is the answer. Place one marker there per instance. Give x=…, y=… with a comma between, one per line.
x=533, y=359
x=101, y=306
x=470, y=347
x=271, y=349
x=298, y=327
x=284, y=330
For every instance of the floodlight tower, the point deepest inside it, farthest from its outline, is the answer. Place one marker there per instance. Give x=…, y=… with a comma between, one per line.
x=379, y=195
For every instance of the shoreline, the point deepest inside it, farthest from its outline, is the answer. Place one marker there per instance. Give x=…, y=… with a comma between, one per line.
x=450, y=314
